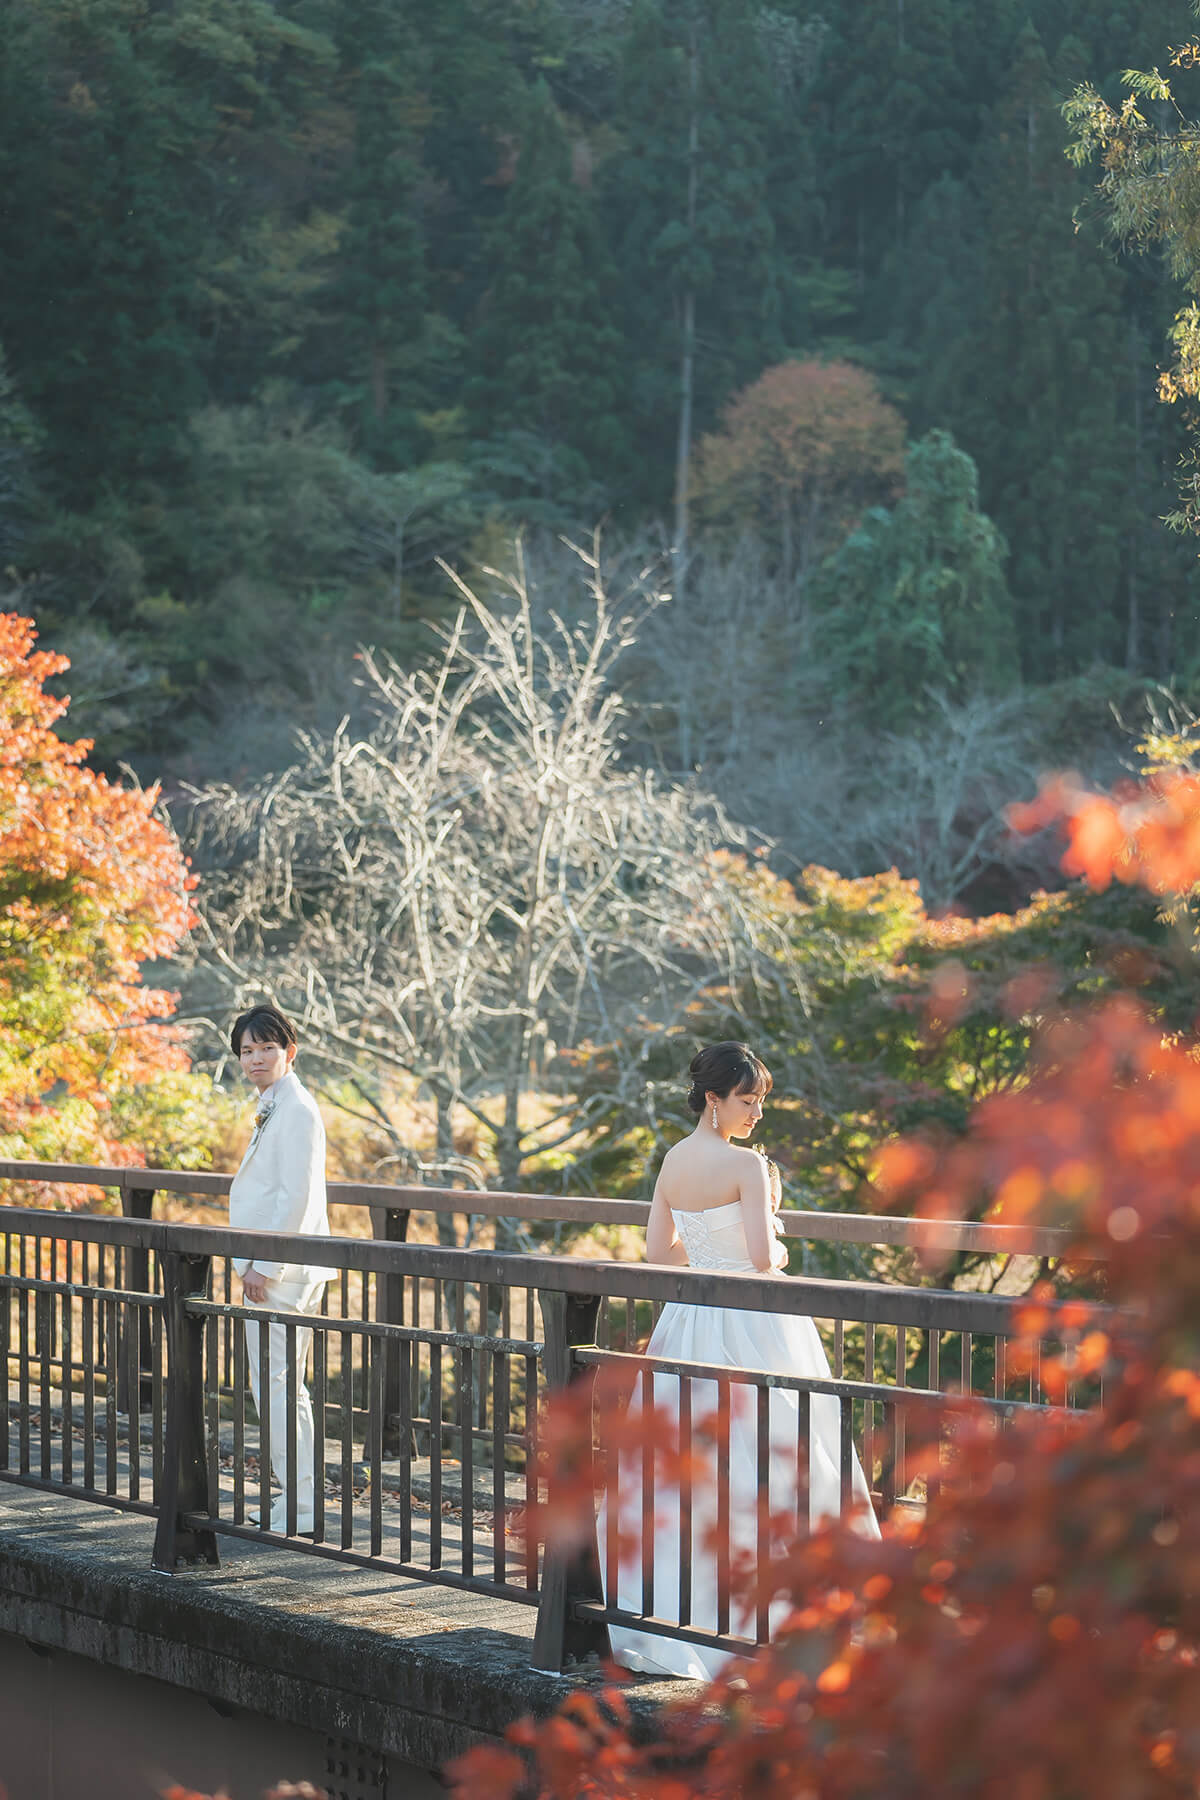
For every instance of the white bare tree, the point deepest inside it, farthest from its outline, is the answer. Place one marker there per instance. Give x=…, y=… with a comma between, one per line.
x=476, y=882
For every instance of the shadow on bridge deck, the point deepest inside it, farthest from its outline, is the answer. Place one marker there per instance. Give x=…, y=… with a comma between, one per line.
x=400, y=1670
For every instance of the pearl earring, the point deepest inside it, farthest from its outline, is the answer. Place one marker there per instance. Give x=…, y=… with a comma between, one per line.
x=714, y=1115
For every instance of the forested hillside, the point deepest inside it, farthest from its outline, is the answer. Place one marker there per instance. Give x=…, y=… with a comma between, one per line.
x=300, y=296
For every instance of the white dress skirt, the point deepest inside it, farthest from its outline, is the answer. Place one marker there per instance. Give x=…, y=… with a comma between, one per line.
x=784, y=1343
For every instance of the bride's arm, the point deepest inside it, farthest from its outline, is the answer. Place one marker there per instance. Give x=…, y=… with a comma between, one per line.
x=662, y=1239
x=754, y=1191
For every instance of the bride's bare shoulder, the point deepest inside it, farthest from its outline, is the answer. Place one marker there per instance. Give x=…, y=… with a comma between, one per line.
x=750, y=1163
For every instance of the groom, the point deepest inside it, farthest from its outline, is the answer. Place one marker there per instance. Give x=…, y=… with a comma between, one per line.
x=281, y=1187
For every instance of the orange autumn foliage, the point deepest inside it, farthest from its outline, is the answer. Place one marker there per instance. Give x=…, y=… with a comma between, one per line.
x=92, y=885
x=1148, y=834
x=802, y=452
x=1036, y=1635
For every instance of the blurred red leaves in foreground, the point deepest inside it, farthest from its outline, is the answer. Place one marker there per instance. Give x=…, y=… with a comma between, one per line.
x=1035, y=1636
x=1147, y=833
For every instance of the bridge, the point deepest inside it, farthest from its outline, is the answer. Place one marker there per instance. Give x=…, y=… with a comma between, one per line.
x=423, y=1613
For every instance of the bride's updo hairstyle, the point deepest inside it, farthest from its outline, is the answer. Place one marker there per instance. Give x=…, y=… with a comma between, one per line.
x=725, y=1069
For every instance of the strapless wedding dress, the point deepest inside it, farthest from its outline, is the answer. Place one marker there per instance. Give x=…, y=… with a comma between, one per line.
x=785, y=1343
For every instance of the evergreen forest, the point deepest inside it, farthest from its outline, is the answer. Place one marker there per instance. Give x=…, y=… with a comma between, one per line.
x=766, y=388
x=300, y=298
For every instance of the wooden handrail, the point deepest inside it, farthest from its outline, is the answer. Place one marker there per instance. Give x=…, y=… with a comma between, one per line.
x=816, y=1226
x=875, y=1302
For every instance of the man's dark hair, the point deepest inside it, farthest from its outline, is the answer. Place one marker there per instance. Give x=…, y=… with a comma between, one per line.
x=267, y=1024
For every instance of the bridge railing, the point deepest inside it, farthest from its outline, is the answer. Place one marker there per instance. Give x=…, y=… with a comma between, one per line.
x=126, y=1358
x=391, y=1206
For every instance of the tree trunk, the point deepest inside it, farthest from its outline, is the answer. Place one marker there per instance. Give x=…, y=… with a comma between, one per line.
x=1133, y=622
x=379, y=382
x=683, y=449
x=444, y=1126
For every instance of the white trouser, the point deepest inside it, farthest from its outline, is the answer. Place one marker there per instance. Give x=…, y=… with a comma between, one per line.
x=287, y=1297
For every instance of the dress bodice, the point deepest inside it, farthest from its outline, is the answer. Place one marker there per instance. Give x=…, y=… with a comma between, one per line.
x=716, y=1239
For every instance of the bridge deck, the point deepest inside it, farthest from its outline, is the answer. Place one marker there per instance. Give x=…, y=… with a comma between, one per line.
x=415, y=1670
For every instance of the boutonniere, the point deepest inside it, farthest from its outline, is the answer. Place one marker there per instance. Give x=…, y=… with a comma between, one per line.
x=260, y=1119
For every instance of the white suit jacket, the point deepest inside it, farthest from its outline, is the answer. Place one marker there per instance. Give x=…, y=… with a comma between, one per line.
x=281, y=1183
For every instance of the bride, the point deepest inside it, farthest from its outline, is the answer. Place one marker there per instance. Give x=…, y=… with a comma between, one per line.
x=713, y=1208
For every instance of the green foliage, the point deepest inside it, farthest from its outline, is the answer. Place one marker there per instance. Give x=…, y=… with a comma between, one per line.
x=473, y=247
x=174, y=1120
x=379, y=288
x=915, y=599
x=912, y=1019
x=692, y=64
x=549, y=352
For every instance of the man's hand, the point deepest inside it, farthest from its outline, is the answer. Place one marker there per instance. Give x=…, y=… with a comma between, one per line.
x=254, y=1287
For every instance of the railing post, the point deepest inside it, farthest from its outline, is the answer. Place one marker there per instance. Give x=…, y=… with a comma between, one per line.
x=390, y=1225
x=185, y=1464
x=136, y=1203
x=568, y=1574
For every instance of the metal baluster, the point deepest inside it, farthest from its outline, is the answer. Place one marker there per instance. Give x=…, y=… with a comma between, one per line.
x=414, y=1398
x=466, y=1380
x=532, y=1452
x=133, y=1381
x=264, y=1423
x=319, y=1347
x=6, y=1298
x=763, y=1519
x=212, y=1399
x=966, y=1363
x=364, y=1351
x=89, y=1392
x=685, y=1505
x=649, y=1436
x=239, y=1422
x=839, y=1349
x=291, y=1484
x=404, y=1350
x=233, y=1327
x=435, y=1454
x=869, y=1410
x=846, y=1415
x=23, y=1372
x=112, y=1337
x=485, y=1363
x=901, y=1422
x=933, y=1476
x=612, y=1524
x=934, y=1338
x=499, y=1426
x=374, y=1349
x=804, y=1459
x=156, y=1401
x=345, y=1365
x=722, y=1474
x=43, y=1312
x=887, y=1481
